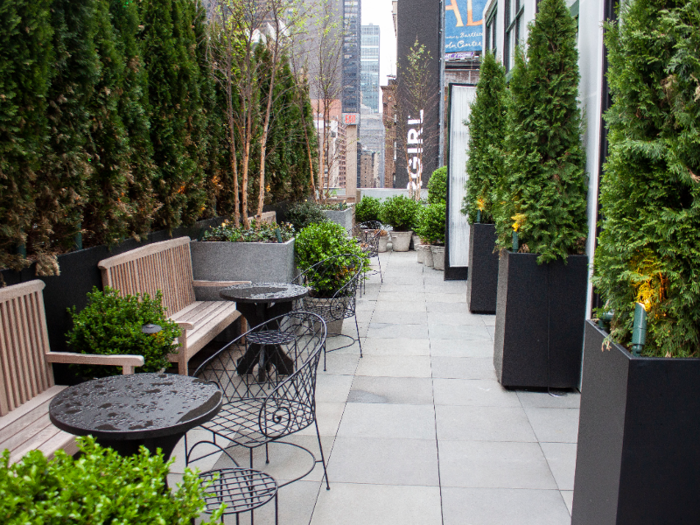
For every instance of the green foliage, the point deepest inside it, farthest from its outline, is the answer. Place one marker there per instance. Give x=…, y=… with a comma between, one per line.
x=302, y=214
x=335, y=206
x=650, y=190
x=487, y=127
x=100, y=486
x=111, y=324
x=400, y=212
x=258, y=232
x=368, y=209
x=26, y=55
x=544, y=187
x=320, y=241
x=431, y=223
x=437, y=186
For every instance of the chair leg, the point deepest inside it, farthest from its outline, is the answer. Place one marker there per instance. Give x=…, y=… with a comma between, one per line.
x=323, y=459
x=250, y=450
x=381, y=277
x=359, y=339
x=267, y=453
x=276, y=511
x=324, y=356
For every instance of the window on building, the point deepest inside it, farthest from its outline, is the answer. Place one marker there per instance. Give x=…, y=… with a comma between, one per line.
x=515, y=30
x=491, y=18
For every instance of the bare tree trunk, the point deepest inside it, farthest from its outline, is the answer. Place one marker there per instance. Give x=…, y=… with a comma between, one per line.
x=266, y=129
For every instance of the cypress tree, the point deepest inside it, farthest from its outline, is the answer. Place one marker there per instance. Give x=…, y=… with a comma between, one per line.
x=487, y=125
x=650, y=189
x=168, y=65
x=544, y=186
x=133, y=104
x=26, y=53
x=66, y=164
x=106, y=207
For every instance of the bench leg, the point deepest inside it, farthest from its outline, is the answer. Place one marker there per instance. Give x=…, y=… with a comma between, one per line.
x=182, y=367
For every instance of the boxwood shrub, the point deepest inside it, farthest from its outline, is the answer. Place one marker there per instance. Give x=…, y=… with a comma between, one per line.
x=99, y=487
x=400, y=212
x=431, y=223
x=437, y=186
x=368, y=209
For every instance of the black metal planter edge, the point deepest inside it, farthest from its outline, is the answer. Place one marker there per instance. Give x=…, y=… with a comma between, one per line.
x=482, y=280
x=638, y=460
x=540, y=312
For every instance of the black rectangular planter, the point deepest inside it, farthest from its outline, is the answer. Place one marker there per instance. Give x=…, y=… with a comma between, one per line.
x=482, y=281
x=540, y=312
x=638, y=460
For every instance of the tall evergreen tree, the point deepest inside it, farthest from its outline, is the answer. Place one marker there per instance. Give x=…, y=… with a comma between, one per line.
x=66, y=164
x=169, y=65
x=544, y=188
x=650, y=190
x=133, y=104
x=26, y=53
x=487, y=126
x=106, y=207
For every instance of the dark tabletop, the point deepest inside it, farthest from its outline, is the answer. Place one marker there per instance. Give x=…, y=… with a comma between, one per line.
x=136, y=406
x=264, y=293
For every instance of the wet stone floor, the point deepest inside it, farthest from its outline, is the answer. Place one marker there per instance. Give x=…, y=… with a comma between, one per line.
x=419, y=431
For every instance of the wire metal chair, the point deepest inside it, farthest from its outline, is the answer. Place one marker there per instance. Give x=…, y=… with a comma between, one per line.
x=368, y=234
x=276, y=397
x=333, y=285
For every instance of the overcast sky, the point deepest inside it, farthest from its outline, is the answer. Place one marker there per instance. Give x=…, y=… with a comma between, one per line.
x=378, y=12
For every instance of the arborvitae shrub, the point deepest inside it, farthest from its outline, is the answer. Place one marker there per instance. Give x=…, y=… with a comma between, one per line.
x=437, y=186
x=544, y=183
x=487, y=126
x=650, y=190
x=26, y=53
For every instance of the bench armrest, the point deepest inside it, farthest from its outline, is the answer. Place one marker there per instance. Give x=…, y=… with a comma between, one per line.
x=185, y=325
x=127, y=362
x=217, y=284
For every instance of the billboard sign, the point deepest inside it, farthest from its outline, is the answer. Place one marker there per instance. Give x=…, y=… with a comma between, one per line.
x=463, y=29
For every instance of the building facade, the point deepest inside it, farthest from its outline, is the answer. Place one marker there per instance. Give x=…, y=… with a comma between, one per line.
x=351, y=58
x=369, y=67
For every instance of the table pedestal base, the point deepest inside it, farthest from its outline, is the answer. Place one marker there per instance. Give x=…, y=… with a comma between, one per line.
x=131, y=447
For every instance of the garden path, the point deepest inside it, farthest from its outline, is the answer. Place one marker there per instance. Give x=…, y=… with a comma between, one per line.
x=419, y=431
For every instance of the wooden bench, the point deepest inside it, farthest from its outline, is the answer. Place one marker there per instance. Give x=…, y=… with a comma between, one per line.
x=26, y=376
x=167, y=266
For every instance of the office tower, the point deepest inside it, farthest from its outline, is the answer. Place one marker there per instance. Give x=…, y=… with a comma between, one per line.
x=369, y=70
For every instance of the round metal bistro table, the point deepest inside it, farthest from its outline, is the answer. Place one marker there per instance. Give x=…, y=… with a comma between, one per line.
x=124, y=412
x=258, y=303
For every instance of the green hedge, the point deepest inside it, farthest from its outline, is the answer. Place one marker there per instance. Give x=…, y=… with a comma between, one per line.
x=112, y=126
x=650, y=189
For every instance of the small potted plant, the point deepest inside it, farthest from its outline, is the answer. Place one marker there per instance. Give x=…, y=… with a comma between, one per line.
x=316, y=243
x=98, y=486
x=400, y=213
x=484, y=167
x=368, y=209
x=431, y=228
x=637, y=458
x=262, y=253
x=541, y=215
x=302, y=214
x=111, y=324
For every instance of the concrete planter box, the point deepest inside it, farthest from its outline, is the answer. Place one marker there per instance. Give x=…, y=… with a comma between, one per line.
x=257, y=262
x=540, y=312
x=482, y=277
x=428, y=256
x=400, y=241
x=344, y=218
x=638, y=456
x=438, y=257
x=383, y=241
x=420, y=253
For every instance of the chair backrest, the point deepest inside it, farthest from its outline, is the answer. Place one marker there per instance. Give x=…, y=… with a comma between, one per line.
x=279, y=386
x=24, y=342
x=368, y=234
x=164, y=266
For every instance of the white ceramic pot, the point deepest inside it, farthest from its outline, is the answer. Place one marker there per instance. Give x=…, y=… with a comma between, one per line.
x=438, y=257
x=427, y=256
x=420, y=253
x=401, y=241
x=383, y=241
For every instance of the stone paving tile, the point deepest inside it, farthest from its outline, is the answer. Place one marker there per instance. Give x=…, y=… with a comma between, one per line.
x=562, y=461
x=391, y=331
x=434, y=306
x=383, y=461
x=383, y=420
x=396, y=346
x=397, y=390
x=555, y=399
x=400, y=318
x=460, y=333
x=363, y=504
x=488, y=506
x=473, y=392
x=394, y=366
x=455, y=318
x=554, y=425
x=446, y=348
x=467, y=423
x=463, y=368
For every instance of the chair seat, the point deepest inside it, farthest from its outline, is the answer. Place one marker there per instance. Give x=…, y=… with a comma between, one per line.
x=245, y=423
x=241, y=489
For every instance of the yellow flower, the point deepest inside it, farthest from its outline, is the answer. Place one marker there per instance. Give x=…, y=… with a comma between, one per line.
x=481, y=204
x=519, y=219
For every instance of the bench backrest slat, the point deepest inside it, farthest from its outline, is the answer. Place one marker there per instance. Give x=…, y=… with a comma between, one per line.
x=24, y=342
x=165, y=266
